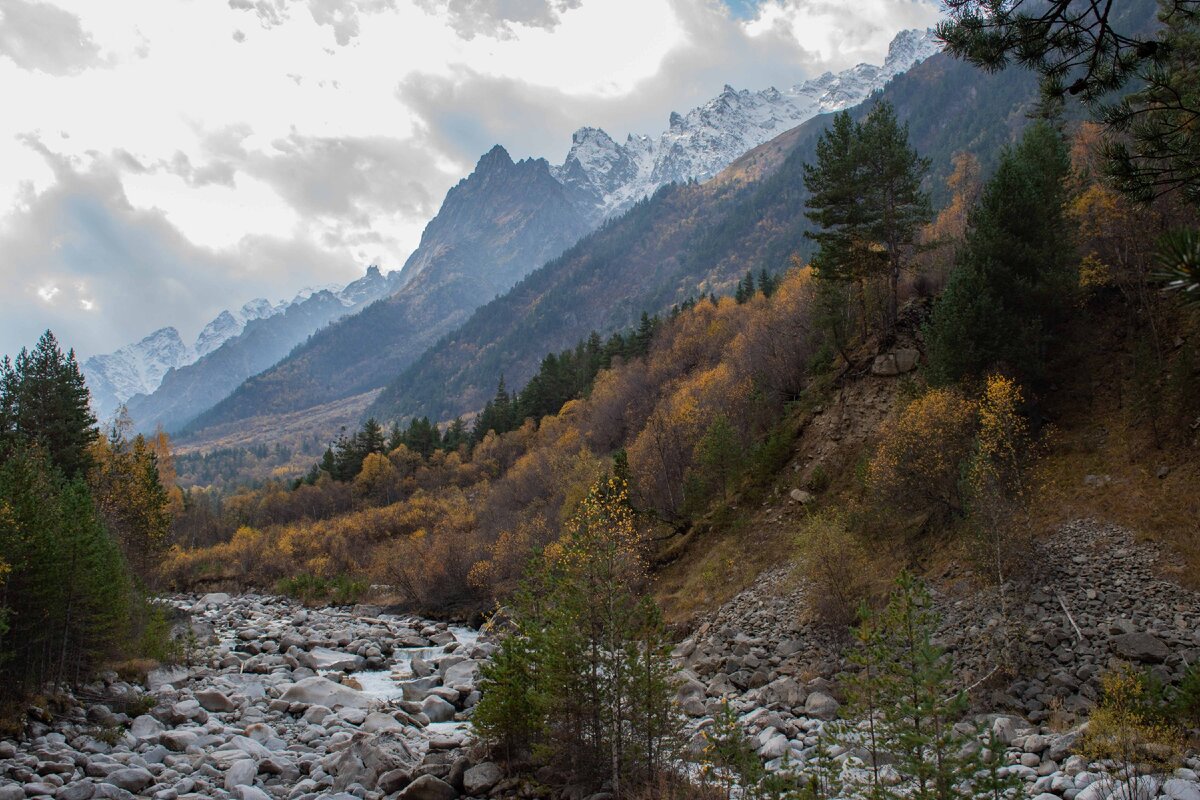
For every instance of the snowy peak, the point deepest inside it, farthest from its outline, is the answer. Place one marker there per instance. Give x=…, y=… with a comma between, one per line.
x=697, y=145
x=135, y=368
x=139, y=368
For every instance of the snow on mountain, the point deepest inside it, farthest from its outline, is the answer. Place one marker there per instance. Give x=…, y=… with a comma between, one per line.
x=610, y=176
x=139, y=368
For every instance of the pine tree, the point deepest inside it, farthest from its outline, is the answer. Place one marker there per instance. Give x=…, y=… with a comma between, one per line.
x=865, y=195
x=44, y=398
x=1013, y=279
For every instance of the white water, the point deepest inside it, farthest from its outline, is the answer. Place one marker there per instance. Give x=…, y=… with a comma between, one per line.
x=382, y=684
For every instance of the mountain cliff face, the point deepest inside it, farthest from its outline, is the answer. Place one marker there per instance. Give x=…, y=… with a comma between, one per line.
x=494, y=227
x=235, y=346
x=697, y=145
x=507, y=219
x=694, y=238
x=134, y=369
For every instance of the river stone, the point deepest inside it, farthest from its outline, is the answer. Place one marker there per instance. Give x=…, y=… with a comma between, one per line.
x=368, y=757
x=437, y=709
x=428, y=787
x=480, y=779
x=12, y=792
x=324, y=692
x=241, y=773
x=1178, y=789
x=132, y=779
x=250, y=793
x=146, y=727
x=1144, y=647
x=462, y=674
x=214, y=700
x=76, y=790
x=821, y=706
x=322, y=658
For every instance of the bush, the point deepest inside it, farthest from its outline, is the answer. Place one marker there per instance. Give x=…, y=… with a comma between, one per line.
x=920, y=462
x=1127, y=731
x=339, y=591
x=836, y=569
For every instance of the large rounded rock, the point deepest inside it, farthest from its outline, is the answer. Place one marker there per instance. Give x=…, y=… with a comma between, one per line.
x=324, y=692
x=428, y=787
x=213, y=700
x=437, y=709
x=480, y=779
x=132, y=779
x=322, y=658
x=241, y=773
x=821, y=706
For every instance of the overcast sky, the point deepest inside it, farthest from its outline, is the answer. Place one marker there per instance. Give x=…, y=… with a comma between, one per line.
x=163, y=159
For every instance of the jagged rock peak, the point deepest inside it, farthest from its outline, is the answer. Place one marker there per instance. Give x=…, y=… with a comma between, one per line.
x=697, y=145
x=495, y=159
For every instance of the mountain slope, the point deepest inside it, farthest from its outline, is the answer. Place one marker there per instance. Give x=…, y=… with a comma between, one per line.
x=494, y=227
x=692, y=239
x=235, y=346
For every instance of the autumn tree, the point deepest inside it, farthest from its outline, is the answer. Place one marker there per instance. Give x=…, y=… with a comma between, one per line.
x=585, y=673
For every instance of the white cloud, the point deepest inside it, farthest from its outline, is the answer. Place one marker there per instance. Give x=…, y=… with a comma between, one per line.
x=213, y=151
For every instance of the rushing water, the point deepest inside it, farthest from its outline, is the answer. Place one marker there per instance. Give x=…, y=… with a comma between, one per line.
x=383, y=684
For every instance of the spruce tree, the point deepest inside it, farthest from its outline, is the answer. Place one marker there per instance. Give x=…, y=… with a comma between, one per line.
x=1014, y=279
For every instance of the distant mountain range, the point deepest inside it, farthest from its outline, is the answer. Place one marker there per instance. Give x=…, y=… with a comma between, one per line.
x=495, y=227
x=608, y=177
x=163, y=380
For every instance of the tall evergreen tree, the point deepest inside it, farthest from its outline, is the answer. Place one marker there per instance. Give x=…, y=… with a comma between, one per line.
x=865, y=194
x=1013, y=278
x=44, y=398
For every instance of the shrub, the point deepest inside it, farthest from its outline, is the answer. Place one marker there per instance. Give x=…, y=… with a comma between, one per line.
x=919, y=463
x=1127, y=731
x=836, y=569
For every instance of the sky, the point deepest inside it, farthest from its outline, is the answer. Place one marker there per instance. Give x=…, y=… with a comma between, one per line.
x=161, y=160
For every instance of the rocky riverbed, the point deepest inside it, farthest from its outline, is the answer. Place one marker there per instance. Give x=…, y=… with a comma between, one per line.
x=283, y=702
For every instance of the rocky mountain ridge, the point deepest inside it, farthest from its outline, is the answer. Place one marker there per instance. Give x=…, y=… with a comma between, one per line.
x=139, y=368
x=609, y=177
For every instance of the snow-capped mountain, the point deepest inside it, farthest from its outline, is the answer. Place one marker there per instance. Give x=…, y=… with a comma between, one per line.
x=228, y=324
x=139, y=368
x=611, y=176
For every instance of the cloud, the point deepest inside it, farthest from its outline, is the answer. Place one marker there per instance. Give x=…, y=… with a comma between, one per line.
x=495, y=18
x=39, y=36
x=83, y=261
x=340, y=15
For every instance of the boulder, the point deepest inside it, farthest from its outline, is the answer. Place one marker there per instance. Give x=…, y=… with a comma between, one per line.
x=1144, y=647
x=76, y=790
x=211, y=600
x=801, y=496
x=821, y=706
x=461, y=674
x=898, y=362
x=131, y=779
x=480, y=779
x=1175, y=788
x=213, y=700
x=428, y=787
x=322, y=658
x=437, y=709
x=324, y=692
x=241, y=773
x=145, y=727
x=370, y=756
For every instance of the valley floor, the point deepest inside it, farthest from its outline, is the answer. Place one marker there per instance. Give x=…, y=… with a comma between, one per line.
x=305, y=703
